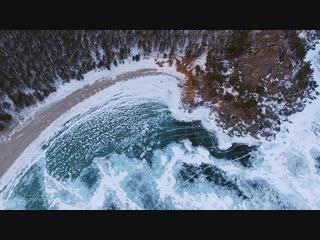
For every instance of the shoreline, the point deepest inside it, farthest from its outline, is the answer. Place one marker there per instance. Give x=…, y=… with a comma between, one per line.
x=17, y=140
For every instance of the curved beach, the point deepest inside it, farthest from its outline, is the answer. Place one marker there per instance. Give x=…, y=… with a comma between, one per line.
x=18, y=141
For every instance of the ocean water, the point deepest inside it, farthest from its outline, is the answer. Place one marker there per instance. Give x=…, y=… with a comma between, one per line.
x=133, y=146
x=122, y=157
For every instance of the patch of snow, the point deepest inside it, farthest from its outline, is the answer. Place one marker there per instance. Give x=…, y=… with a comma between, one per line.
x=64, y=89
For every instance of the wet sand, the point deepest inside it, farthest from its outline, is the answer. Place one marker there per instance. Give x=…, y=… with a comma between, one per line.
x=11, y=149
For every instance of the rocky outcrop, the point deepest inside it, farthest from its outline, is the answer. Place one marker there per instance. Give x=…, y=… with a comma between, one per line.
x=253, y=87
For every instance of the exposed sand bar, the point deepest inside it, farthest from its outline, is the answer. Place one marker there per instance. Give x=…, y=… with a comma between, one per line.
x=11, y=148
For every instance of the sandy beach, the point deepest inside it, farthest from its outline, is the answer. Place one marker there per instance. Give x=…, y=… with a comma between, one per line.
x=12, y=148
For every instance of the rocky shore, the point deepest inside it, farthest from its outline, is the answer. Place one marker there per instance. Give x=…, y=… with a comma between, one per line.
x=255, y=86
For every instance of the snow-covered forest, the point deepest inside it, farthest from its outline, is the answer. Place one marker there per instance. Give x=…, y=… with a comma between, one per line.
x=32, y=62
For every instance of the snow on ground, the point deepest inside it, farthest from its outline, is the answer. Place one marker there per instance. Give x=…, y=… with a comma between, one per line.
x=64, y=89
x=202, y=113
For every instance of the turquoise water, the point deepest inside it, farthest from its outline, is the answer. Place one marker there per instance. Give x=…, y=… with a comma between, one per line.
x=131, y=139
